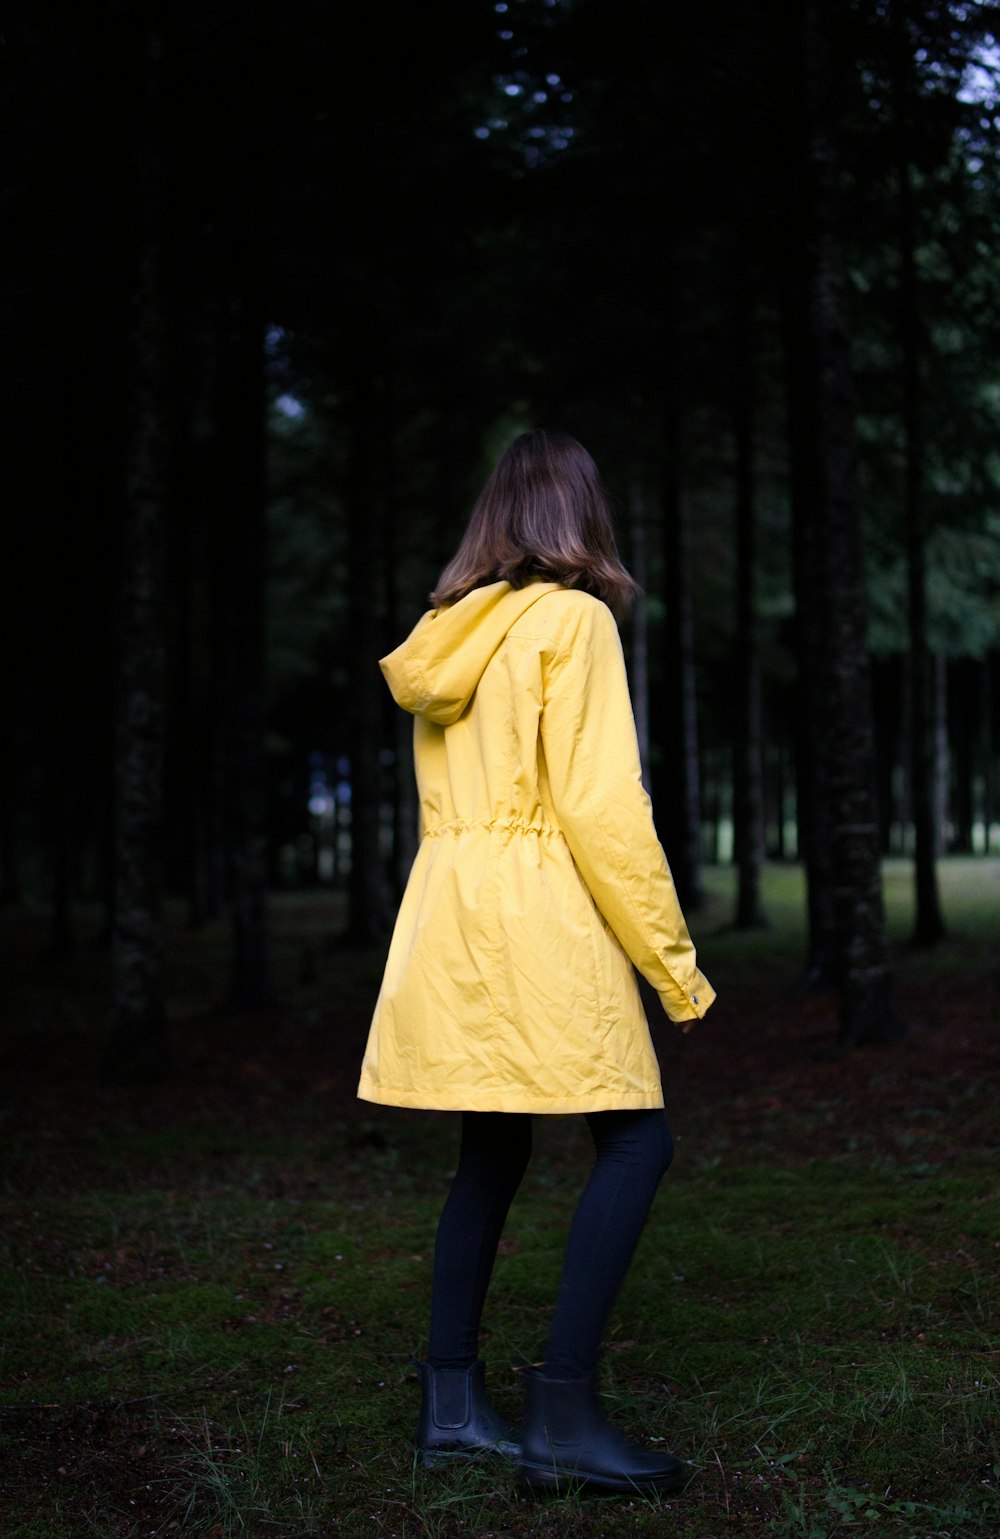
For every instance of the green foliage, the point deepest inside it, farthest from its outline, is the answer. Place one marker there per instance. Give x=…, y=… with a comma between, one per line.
x=963, y=593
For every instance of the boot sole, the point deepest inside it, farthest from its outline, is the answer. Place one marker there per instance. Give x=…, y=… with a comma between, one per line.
x=546, y=1481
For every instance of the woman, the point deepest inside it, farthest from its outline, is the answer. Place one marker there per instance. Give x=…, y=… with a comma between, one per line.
x=509, y=988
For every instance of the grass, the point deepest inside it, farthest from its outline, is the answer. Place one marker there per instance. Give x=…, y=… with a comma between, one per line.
x=211, y=1293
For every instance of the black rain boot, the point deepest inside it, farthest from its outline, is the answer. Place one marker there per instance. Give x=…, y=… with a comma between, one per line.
x=569, y=1444
x=457, y=1420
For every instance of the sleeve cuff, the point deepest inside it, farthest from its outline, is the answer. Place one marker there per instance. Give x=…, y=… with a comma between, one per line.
x=688, y=1001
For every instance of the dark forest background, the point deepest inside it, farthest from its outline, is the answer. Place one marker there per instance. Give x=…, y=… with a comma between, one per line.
x=281, y=282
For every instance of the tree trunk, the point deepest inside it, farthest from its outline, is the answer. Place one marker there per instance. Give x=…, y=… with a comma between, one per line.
x=929, y=923
x=962, y=724
x=844, y=824
x=812, y=802
x=777, y=793
x=988, y=742
x=369, y=901
x=198, y=499
x=250, y=985
x=137, y=1048
x=213, y=870
x=64, y=749
x=748, y=791
x=939, y=673
x=681, y=816
x=884, y=691
x=13, y=691
x=405, y=809
x=10, y=881
x=904, y=801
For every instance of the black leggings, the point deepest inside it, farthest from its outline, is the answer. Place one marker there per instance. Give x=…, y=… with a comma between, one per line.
x=633, y=1148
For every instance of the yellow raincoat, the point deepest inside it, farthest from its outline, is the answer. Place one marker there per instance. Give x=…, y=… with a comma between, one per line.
x=539, y=879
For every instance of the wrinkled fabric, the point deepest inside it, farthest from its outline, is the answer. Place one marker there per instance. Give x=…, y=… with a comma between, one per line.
x=539, y=881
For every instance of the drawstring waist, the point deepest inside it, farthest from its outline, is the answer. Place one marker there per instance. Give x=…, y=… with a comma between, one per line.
x=491, y=825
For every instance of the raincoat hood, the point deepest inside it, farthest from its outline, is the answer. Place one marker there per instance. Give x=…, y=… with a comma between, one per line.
x=436, y=670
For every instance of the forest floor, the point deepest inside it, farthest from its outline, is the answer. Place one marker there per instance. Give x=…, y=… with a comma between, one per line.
x=212, y=1286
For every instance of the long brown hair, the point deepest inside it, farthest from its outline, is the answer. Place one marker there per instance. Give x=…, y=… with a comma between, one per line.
x=542, y=513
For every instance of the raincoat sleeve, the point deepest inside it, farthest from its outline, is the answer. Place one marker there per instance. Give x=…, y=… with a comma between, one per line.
x=592, y=761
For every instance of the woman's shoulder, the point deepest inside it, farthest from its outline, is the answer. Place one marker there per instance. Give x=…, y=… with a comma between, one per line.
x=565, y=613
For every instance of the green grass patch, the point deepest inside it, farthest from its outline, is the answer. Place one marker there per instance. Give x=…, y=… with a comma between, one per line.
x=208, y=1316
x=813, y=1338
